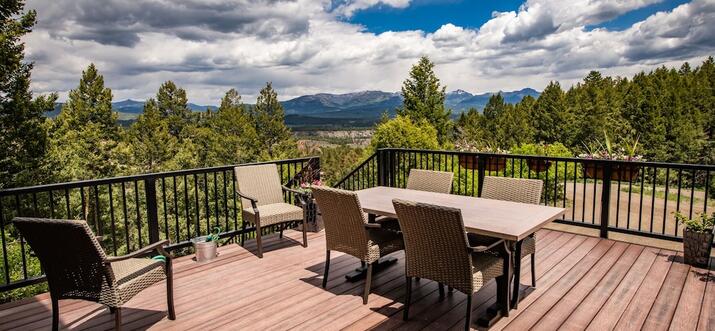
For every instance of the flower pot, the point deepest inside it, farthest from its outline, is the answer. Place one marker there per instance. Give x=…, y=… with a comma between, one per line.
x=696, y=247
x=205, y=250
x=538, y=165
x=619, y=172
x=495, y=164
x=467, y=161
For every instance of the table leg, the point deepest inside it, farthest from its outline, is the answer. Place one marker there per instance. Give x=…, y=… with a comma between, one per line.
x=359, y=273
x=520, y=291
x=502, y=306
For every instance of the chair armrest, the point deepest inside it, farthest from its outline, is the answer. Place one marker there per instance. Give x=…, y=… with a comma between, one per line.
x=157, y=246
x=373, y=226
x=253, y=200
x=288, y=189
x=479, y=249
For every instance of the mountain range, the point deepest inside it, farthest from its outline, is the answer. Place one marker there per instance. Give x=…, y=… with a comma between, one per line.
x=358, y=109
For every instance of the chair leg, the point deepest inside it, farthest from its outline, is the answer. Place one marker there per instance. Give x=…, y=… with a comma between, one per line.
x=408, y=298
x=243, y=232
x=118, y=318
x=280, y=234
x=327, y=268
x=305, y=233
x=170, y=289
x=259, y=242
x=55, y=314
x=368, y=283
x=533, y=270
x=468, y=322
x=450, y=289
x=441, y=290
x=517, y=271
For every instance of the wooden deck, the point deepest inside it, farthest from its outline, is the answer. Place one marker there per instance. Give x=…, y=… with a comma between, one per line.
x=583, y=283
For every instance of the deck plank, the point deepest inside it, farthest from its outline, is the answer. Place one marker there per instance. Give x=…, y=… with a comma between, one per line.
x=581, y=282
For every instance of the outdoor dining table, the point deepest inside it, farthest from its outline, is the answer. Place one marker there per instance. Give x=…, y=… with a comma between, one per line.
x=510, y=221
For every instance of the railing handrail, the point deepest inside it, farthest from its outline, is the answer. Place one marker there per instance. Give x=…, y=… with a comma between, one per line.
x=139, y=177
x=357, y=168
x=561, y=158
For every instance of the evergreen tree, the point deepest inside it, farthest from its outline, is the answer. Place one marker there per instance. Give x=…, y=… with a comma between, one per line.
x=173, y=105
x=550, y=116
x=273, y=136
x=22, y=134
x=152, y=144
x=232, y=124
x=403, y=132
x=85, y=133
x=424, y=99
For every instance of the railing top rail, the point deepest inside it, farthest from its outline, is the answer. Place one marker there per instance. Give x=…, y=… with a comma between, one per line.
x=131, y=178
x=689, y=166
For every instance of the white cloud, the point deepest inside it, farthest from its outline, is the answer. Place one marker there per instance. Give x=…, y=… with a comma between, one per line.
x=303, y=47
x=349, y=7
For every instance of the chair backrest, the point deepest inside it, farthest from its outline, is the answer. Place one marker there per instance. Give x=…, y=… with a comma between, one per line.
x=512, y=189
x=70, y=255
x=343, y=219
x=261, y=182
x=430, y=180
x=435, y=244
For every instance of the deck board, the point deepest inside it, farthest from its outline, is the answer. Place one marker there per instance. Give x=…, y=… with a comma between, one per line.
x=581, y=282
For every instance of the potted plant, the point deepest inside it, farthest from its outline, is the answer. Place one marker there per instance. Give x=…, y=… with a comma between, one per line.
x=206, y=246
x=310, y=208
x=471, y=161
x=697, y=238
x=626, y=151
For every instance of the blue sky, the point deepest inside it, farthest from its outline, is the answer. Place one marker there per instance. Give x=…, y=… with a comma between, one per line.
x=340, y=46
x=430, y=15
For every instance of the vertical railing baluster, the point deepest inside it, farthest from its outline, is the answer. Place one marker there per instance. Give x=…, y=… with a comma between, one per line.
x=152, y=209
x=606, y=199
x=665, y=202
x=6, y=262
x=67, y=203
x=652, y=203
x=198, y=210
x=176, y=211
x=18, y=212
x=52, y=205
x=225, y=200
x=137, y=203
x=111, y=218
x=167, y=235
x=126, y=217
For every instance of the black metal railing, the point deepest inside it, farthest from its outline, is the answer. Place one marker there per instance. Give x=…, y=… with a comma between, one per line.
x=637, y=198
x=132, y=211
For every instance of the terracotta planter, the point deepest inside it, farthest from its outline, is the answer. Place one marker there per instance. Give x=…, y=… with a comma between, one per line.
x=205, y=250
x=696, y=247
x=495, y=164
x=620, y=172
x=468, y=161
x=538, y=165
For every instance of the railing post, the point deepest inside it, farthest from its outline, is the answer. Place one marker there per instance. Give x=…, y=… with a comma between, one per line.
x=481, y=169
x=606, y=198
x=393, y=168
x=151, y=209
x=380, y=167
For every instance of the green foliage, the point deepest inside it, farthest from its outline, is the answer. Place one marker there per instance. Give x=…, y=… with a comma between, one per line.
x=23, y=138
x=85, y=134
x=273, y=138
x=336, y=162
x=424, y=99
x=403, y=132
x=172, y=103
x=152, y=145
x=553, y=178
x=701, y=223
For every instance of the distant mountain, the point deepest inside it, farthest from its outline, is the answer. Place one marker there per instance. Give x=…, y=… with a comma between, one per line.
x=130, y=109
x=338, y=110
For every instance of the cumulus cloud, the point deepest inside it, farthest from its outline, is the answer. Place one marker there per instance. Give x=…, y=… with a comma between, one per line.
x=305, y=46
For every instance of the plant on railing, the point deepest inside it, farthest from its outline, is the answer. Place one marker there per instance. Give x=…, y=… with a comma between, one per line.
x=554, y=174
x=625, y=150
x=697, y=238
x=471, y=161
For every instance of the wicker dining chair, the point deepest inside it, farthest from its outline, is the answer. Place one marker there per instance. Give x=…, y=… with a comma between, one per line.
x=516, y=190
x=347, y=231
x=422, y=180
x=77, y=267
x=430, y=181
x=261, y=192
x=436, y=248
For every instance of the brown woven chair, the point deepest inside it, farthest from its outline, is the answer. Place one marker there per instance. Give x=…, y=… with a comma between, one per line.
x=436, y=248
x=261, y=192
x=77, y=267
x=347, y=231
x=516, y=190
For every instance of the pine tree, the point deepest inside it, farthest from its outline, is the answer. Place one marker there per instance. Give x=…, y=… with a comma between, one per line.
x=549, y=115
x=173, y=105
x=85, y=133
x=152, y=144
x=273, y=136
x=22, y=134
x=424, y=99
x=232, y=123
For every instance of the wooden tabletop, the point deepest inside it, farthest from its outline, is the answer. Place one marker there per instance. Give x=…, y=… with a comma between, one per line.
x=502, y=219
